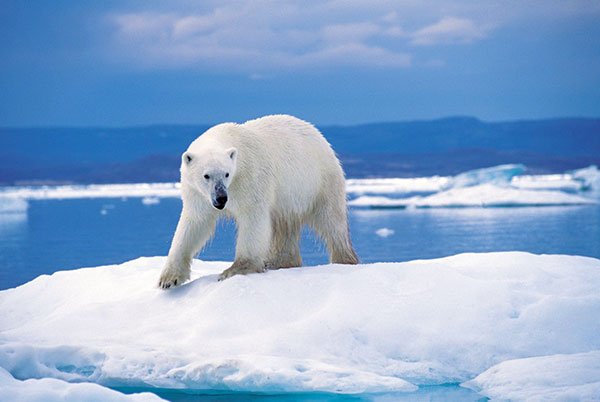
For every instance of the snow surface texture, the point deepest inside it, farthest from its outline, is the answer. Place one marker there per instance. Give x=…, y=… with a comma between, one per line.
x=543, y=379
x=499, y=186
x=346, y=329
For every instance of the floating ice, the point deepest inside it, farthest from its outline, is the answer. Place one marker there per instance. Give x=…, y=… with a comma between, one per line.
x=150, y=200
x=95, y=191
x=499, y=175
x=589, y=178
x=397, y=186
x=345, y=329
x=384, y=232
x=13, y=205
x=53, y=390
x=484, y=195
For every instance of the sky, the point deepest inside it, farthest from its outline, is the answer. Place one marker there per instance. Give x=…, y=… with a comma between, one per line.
x=124, y=63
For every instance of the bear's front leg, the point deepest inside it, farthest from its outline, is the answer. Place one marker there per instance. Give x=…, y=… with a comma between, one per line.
x=190, y=236
x=252, y=247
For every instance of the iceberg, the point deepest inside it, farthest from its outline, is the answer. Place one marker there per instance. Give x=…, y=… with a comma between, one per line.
x=589, y=178
x=382, y=327
x=499, y=175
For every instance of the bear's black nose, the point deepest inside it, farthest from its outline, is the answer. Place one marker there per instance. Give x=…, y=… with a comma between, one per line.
x=220, y=202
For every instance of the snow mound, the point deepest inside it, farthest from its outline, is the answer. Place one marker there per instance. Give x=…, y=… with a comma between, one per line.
x=53, y=390
x=346, y=329
x=574, y=377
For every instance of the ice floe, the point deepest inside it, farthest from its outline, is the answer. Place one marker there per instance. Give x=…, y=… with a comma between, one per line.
x=499, y=186
x=346, y=329
x=13, y=205
x=53, y=390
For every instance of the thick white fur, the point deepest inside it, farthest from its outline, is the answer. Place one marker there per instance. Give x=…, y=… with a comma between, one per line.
x=283, y=175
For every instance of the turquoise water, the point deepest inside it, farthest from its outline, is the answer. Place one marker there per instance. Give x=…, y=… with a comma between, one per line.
x=446, y=392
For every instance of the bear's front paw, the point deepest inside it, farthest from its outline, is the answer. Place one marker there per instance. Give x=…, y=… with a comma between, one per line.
x=171, y=278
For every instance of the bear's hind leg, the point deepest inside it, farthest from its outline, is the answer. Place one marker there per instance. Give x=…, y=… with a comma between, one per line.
x=330, y=221
x=285, y=247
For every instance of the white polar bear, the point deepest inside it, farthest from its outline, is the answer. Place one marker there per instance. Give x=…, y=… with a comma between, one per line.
x=272, y=175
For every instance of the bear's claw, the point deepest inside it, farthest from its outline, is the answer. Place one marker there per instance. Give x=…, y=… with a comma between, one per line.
x=168, y=280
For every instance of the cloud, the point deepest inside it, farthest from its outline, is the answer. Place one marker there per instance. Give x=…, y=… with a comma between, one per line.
x=449, y=30
x=268, y=35
x=254, y=37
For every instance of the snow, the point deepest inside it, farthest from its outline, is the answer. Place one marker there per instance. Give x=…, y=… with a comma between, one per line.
x=384, y=327
x=53, y=390
x=572, y=377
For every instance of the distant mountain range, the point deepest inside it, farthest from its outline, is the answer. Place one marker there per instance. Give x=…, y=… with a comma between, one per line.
x=401, y=149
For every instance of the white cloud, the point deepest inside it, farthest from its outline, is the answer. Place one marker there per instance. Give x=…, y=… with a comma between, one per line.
x=253, y=37
x=449, y=30
x=265, y=36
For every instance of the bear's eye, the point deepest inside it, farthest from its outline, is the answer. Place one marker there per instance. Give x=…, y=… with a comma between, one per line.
x=226, y=174
x=206, y=176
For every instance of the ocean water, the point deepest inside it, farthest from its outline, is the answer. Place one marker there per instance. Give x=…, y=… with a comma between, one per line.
x=55, y=234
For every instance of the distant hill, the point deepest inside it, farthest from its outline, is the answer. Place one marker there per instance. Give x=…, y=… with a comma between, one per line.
x=401, y=149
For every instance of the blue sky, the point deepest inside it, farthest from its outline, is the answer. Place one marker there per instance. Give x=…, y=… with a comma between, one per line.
x=118, y=63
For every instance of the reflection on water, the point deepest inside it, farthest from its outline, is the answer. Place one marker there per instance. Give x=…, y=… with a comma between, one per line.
x=429, y=233
x=66, y=234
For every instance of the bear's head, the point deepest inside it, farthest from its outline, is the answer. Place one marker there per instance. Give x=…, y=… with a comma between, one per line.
x=209, y=171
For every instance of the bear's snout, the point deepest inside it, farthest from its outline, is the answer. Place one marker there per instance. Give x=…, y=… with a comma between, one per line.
x=220, y=197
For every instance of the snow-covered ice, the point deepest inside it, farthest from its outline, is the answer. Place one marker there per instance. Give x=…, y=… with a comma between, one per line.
x=499, y=186
x=93, y=191
x=499, y=175
x=53, y=390
x=347, y=329
x=572, y=377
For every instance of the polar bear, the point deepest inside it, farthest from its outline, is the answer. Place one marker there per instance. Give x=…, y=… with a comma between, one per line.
x=272, y=175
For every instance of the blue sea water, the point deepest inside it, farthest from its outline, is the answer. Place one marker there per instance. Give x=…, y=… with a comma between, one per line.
x=73, y=233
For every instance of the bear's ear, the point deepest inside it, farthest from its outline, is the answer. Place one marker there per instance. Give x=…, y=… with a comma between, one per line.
x=187, y=158
x=232, y=152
